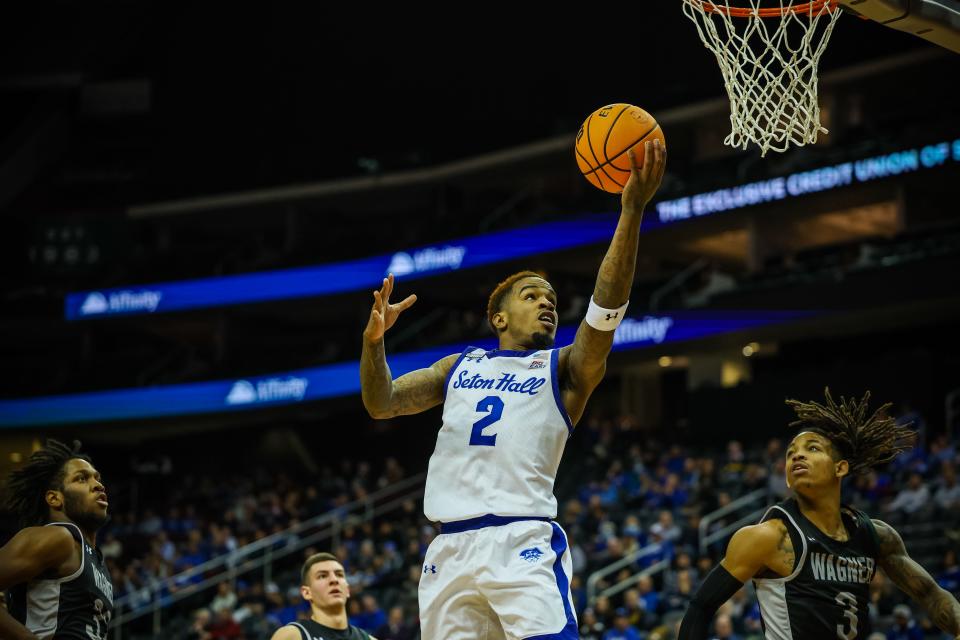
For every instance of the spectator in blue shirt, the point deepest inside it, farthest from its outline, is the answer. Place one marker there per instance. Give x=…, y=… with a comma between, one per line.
x=621, y=628
x=295, y=605
x=949, y=578
x=904, y=627
x=372, y=617
x=650, y=600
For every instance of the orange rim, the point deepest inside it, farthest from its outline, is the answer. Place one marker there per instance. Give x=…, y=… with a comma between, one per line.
x=775, y=12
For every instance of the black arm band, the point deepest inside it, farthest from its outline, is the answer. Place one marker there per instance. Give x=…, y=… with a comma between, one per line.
x=716, y=589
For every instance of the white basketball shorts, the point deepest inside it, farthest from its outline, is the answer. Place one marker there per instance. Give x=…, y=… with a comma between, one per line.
x=496, y=578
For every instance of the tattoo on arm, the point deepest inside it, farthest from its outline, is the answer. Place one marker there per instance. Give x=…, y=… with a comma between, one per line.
x=410, y=393
x=616, y=271
x=417, y=391
x=590, y=348
x=375, y=380
x=912, y=579
x=786, y=555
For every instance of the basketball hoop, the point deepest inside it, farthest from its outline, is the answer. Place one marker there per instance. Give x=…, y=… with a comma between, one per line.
x=768, y=57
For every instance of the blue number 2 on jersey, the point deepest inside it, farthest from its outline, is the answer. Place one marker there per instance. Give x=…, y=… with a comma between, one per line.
x=494, y=405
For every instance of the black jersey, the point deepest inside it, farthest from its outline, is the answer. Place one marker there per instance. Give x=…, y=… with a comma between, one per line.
x=828, y=593
x=311, y=630
x=78, y=606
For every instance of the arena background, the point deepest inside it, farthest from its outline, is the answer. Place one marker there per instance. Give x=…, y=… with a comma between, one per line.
x=148, y=149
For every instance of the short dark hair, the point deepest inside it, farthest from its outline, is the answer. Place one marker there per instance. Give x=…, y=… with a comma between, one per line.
x=312, y=560
x=863, y=439
x=495, y=303
x=28, y=485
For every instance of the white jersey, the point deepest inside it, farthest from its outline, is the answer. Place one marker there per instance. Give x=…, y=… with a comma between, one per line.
x=504, y=430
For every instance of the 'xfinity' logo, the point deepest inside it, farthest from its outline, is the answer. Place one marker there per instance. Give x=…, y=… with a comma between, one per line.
x=269, y=390
x=120, y=302
x=650, y=329
x=95, y=303
x=428, y=259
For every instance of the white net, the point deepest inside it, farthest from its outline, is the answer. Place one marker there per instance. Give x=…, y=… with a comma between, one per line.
x=769, y=66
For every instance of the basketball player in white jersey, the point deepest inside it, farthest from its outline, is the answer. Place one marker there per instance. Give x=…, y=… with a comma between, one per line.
x=500, y=567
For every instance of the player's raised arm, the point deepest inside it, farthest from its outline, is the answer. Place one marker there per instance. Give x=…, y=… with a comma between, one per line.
x=584, y=362
x=914, y=580
x=414, y=392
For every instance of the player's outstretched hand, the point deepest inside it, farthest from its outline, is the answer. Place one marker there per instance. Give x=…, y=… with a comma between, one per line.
x=644, y=180
x=383, y=314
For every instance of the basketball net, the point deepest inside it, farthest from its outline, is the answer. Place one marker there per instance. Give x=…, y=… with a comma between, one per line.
x=769, y=58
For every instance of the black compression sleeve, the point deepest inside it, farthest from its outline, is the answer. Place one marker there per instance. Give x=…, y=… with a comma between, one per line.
x=716, y=589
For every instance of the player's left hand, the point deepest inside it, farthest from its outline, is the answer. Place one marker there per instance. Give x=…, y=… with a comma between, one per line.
x=383, y=314
x=644, y=180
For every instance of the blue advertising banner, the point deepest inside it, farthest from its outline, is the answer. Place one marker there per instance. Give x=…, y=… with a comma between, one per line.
x=813, y=181
x=366, y=273
x=342, y=379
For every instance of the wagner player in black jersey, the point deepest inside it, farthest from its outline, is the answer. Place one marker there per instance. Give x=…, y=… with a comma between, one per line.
x=324, y=585
x=812, y=559
x=56, y=582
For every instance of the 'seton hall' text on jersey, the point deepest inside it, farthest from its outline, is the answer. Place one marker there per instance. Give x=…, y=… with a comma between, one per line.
x=503, y=434
x=507, y=382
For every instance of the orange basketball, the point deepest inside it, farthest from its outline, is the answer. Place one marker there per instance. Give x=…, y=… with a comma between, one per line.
x=604, y=139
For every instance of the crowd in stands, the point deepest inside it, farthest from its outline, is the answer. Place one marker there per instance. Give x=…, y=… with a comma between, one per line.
x=630, y=496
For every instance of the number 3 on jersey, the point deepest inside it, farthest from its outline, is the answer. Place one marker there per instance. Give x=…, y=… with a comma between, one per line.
x=494, y=405
x=849, y=603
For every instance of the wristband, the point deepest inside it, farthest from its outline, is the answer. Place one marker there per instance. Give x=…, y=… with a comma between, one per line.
x=605, y=319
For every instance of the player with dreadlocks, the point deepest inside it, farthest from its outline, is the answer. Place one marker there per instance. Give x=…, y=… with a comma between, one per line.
x=57, y=583
x=812, y=559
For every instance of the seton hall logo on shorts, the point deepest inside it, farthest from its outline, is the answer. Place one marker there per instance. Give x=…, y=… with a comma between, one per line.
x=531, y=555
x=538, y=364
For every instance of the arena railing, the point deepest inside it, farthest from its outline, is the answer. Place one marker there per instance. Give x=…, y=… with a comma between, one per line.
x=626, y=561
x=925, y=536
x=707, y=537
x=759, y=495
x=259, y=555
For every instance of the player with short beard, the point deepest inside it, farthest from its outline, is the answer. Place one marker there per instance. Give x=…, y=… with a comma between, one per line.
x=501, y=567
x=58, y=585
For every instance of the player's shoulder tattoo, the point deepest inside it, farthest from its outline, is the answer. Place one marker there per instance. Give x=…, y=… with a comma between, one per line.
x=888, y=539
x=785, y=555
